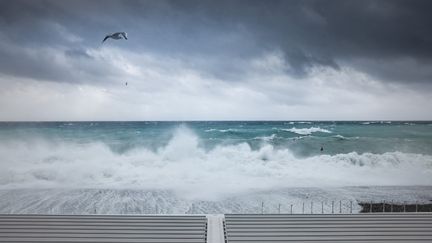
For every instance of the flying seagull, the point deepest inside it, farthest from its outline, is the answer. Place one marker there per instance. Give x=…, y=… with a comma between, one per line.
x=116, y=36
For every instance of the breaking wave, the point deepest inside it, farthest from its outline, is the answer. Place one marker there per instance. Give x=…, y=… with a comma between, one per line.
x=340, y=137
x=267, y=138
x=306, y=131
x=184, y=167
x=221, y=130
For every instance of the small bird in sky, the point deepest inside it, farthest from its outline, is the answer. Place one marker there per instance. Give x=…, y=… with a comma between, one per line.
x=116, y=36
x=126, y=83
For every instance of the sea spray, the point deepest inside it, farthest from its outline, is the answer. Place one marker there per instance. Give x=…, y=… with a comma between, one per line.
x=185, y=167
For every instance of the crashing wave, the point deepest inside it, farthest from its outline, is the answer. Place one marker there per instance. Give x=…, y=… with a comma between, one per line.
x=306, y=131
x=267, y=138
x=184, y=167
x=221, y=130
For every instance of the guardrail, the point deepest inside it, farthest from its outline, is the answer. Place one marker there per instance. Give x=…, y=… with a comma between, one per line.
x=310, y=207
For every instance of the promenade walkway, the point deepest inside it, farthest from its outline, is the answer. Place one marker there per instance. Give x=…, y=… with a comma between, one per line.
x=102, y=228
x=358, y=228
x=229, y=228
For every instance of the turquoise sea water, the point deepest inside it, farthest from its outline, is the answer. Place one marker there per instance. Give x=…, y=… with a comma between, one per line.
x=303, y=138
x=176, y=162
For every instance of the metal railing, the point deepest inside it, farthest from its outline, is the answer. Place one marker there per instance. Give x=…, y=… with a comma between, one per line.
x=301, y=207
x=344, y=207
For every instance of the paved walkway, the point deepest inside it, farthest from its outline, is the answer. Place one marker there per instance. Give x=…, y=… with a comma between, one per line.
x=371, y=228
x=230, y=228
x=102, y=228
x=215, y=230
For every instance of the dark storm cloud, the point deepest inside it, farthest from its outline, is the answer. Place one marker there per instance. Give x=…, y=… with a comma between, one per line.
x=391, y=40
x=330, y=32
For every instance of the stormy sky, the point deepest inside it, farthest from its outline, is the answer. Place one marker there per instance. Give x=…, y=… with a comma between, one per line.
x=216, y=60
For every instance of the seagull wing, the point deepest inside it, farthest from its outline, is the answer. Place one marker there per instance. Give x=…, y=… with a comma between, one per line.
x=124, y=35
x=106, y=37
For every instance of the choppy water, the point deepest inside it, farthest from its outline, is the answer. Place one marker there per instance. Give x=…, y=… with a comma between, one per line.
x=177, y=163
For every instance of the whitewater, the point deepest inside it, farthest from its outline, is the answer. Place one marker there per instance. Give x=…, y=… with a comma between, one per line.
x=209, y=167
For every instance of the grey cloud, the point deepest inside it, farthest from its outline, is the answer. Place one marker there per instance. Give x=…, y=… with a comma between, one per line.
x=57, y=65
x=78, y=53
x=327, y=33
x=366, y=35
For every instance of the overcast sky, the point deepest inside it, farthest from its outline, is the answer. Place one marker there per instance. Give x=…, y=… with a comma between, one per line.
x=216, y=60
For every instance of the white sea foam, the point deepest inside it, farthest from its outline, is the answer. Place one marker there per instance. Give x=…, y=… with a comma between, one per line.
x=267, y=138
x=127, y=201
x=306, y=131
x=184, y=167
x=370, y=122
x=298, y=122
x=228, y=130
x=338, y=136
x=221, y=130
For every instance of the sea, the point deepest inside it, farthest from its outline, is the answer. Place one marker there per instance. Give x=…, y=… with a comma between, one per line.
x=211, y=167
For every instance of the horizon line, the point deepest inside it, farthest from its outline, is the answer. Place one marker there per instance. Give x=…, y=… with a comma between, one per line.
x=312, y=120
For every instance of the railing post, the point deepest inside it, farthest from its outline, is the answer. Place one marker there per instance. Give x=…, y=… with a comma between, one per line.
x=303, y=208
x=262, y=207
x=370, y=209
x=291, y=208
x=332, y=207
x=340, y=206
x=384, y=206
x=156, y=208
x=279, y=207
x=404, y=206
x=322, y=207
x=391, y=207
x=311, y=207
x=351, y=207
x=416, y=207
